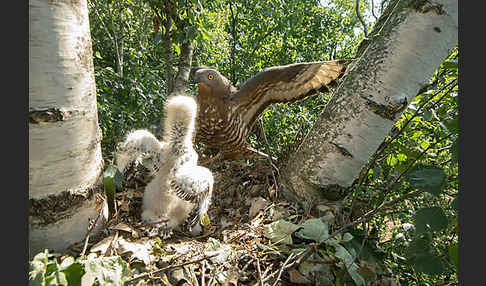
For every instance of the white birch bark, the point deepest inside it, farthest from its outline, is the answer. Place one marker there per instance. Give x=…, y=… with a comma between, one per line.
x=401, y=57
x=64, y=137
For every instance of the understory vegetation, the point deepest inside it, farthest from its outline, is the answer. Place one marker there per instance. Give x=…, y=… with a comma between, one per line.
x=400, y=221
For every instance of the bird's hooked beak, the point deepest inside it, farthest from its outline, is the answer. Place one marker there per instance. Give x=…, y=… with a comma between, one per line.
x=195, y=75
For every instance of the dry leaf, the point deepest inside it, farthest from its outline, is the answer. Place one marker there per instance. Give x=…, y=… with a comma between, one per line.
x=104, y=244
x=141, y=250
x=257, y=204
x=297, y=278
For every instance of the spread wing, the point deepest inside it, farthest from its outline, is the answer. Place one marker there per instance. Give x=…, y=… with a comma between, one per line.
x=286, y=84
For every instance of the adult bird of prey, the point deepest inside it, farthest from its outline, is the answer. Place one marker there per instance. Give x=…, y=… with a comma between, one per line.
x=226, y=115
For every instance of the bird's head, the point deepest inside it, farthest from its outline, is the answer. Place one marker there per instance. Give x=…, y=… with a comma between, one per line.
x=210, y=80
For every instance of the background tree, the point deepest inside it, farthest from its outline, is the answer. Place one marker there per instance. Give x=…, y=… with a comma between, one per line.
x=65, y=159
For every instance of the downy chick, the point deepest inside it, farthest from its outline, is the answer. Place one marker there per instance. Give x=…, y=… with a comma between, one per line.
x=181, y=191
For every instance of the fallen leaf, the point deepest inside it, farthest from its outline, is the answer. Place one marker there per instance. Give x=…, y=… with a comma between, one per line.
x=141, y=249
x=297, y=278
x=122, y=226
x=280, y=231
x=104, y=244
x=257, y=204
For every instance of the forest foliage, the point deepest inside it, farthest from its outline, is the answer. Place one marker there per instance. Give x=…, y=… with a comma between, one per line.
x=413, y=176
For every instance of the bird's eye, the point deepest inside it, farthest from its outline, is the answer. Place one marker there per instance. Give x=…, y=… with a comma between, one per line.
x=210, y=76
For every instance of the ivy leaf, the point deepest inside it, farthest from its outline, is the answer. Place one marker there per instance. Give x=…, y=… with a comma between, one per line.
x=433, y=217
x=429, y=179
x=45, y=271
x=106, y=270
x=73, y=271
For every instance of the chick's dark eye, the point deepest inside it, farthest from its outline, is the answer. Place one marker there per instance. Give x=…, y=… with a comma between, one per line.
x=210, y=76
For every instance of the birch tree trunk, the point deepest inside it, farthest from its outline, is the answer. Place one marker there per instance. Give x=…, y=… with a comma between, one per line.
x=65, y=160
x=409, y=42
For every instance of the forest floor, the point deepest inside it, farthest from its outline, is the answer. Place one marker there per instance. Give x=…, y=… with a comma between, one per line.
x=238, y=247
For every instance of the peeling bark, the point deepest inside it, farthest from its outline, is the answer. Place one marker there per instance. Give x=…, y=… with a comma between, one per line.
x=402, y=52
x=65, y=162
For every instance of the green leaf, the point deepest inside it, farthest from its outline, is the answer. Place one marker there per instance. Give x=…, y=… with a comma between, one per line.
x=429, y=264
x=204, y=34
x=177, y=48
x=314, y=229
x=280, y=231
x=429, y=179
x=112, y=179
x=44, y=270
x=106, y=270
x=391, y=160
x=74, y=273
x=450, y=65
x=452, y=125
x=434, y=217
x=418, y=246
x=348, y=259
x=191, y=33
x=427, y=115
x=454, y=254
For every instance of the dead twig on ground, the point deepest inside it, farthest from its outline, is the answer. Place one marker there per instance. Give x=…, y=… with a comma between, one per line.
x=259, y=271
x=90, y=229
x=167, y=268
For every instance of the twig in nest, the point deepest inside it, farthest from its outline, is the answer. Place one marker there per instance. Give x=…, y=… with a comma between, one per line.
x=167, y=268
x=259, y=272
x=90, y=229
x=283, y=268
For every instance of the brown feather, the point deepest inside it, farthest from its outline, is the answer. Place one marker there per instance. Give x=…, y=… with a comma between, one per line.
x=226, y=116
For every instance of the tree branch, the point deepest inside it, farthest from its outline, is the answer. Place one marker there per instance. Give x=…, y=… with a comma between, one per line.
x=185, y=62
x=365, y=29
